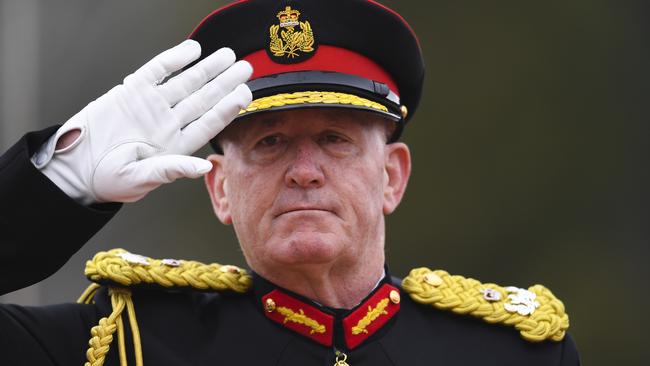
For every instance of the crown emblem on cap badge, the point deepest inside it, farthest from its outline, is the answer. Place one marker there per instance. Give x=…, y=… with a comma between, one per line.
x=290, y=42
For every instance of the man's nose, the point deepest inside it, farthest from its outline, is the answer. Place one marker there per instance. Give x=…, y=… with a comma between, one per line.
x=305, y=170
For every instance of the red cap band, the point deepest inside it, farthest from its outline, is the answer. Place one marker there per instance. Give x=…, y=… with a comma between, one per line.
x=327, y=58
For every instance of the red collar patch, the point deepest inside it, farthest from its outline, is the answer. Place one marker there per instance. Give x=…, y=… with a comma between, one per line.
x=373, y=314
x=298, y=316
x=313, y=323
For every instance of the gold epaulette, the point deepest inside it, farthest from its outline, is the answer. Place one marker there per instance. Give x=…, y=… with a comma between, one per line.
x=535, y=312
x=120, y=270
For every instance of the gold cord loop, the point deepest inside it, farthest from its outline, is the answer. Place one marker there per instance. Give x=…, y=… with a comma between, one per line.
x=341, y=359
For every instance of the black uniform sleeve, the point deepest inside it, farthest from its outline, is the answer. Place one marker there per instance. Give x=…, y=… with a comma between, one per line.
x=570, y=355
x=41, y=226
x=48, y=335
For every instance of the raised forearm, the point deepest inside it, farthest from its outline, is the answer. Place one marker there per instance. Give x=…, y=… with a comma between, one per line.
x=41, y=226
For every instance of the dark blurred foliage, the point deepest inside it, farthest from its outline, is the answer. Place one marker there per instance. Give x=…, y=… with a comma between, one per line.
x=530, y=150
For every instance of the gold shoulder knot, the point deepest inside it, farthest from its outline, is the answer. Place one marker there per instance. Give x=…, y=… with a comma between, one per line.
x=121, y=268
x=535, y=312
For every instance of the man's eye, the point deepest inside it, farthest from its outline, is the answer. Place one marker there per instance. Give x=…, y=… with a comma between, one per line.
x=333, y=138
x=270, y=140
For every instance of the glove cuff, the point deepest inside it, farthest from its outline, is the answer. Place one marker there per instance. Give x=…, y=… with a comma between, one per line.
x=63, y=169
x=44, y=154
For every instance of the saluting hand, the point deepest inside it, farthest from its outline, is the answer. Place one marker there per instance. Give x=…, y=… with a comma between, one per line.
x=140, y=134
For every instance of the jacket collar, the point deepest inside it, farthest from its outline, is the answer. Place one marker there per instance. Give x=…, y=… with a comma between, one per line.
x=341, y=328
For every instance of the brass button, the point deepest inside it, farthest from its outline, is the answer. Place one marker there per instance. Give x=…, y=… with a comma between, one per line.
x=269, y=305
x=394, y=297
x=404, y=111
x=433, y=279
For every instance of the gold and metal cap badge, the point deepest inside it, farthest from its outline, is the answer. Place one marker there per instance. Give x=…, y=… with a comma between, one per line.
x=291, y=40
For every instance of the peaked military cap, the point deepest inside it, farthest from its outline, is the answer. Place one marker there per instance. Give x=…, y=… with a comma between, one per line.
x=313, y=53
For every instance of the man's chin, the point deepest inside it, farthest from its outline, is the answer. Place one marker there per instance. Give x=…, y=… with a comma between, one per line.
x=309, y=247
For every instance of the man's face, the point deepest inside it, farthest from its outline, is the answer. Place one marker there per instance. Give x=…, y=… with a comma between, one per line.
x=305, y=187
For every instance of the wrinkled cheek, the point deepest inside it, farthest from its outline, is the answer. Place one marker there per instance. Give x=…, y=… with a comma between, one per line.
x=369, y=205
x=240, y=216
x=251, y=207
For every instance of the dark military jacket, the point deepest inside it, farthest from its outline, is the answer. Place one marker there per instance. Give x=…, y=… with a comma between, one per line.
x=189, y=327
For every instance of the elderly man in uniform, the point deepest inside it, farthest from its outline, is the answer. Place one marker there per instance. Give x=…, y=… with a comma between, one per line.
x=305, y=174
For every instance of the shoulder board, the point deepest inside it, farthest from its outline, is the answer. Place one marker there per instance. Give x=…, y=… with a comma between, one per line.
x=121, y=268
x=535, y=312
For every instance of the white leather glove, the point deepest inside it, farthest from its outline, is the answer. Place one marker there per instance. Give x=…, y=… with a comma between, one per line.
x=139, y=134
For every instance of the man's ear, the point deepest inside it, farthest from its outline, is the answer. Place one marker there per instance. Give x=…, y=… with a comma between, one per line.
x=215, y=182
x=397, y=172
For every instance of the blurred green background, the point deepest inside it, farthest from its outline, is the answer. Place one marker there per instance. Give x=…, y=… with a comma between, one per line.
x=530, y=146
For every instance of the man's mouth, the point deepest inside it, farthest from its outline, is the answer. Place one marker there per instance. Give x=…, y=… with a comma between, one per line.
x=305, y=209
